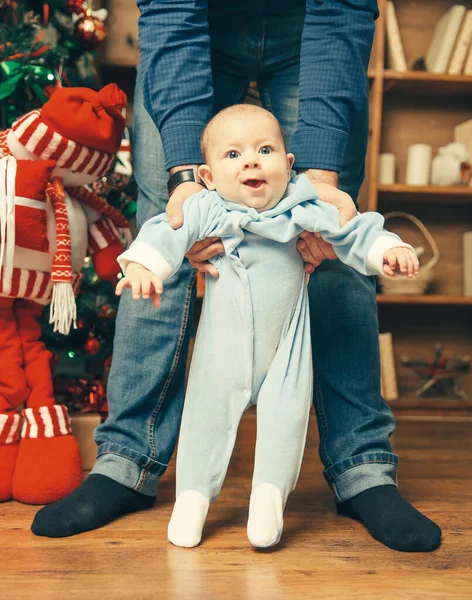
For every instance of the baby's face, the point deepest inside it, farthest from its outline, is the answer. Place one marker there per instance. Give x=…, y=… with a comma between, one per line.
x=246, y=161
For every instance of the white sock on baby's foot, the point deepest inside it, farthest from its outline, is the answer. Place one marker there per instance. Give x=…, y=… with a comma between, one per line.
x=266, y=509
x=188, y=518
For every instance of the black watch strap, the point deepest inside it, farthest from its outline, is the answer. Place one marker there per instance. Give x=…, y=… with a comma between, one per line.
x=182, y=177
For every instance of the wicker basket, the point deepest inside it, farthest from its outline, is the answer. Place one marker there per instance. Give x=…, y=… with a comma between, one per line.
x=419, y=284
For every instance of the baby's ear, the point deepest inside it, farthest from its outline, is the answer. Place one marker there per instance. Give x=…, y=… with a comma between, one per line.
x=290, y=161
x=205, y=173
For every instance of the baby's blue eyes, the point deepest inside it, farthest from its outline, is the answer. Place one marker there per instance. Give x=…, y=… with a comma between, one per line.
x=235, y=153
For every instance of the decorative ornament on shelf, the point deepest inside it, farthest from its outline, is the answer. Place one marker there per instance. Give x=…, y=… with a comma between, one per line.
x=451, y=165
x=441, y=374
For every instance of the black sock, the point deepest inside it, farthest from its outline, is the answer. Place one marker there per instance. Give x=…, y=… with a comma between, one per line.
x=98, y=501
x=390, y=519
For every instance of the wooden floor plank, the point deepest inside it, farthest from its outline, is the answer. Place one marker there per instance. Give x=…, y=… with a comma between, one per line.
x=322, y=555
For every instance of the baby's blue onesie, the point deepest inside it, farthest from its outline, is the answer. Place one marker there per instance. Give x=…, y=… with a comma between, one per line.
x=253, y=343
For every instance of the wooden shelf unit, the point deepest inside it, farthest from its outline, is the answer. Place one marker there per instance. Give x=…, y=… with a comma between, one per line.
x=408, y=108
x=436, y=299
x=427, y=193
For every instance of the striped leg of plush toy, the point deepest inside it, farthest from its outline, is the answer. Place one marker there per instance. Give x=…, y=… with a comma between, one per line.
x=13, y=392
x=48, y=465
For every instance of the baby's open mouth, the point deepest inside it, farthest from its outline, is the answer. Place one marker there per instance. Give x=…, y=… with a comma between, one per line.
x=254, y=183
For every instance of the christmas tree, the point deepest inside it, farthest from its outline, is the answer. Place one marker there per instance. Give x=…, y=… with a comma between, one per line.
x=44, y=45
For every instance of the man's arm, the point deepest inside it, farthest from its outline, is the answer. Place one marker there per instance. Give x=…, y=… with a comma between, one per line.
x=174, y=47
x=336, y=44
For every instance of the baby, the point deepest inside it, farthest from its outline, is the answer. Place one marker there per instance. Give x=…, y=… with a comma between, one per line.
x=253, y=344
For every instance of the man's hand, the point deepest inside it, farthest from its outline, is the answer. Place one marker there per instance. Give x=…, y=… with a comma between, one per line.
x=313, y=249
x=176, y=201
x=142, y=282
x=181, y=193
x=326, y=184
x=201, y=252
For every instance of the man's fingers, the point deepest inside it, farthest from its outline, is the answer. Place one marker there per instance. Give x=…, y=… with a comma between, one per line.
x=156, y=300
x=347, y=208
x=205, y=267
x=315, y=247
x=307, y=254
x=174, y=211
x=199, y=246
x=206, y=253
x=326, y=248
x=346, y=213
x=174, y=206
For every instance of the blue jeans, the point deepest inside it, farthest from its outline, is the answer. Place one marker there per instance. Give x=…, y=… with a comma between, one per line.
x=146, y=384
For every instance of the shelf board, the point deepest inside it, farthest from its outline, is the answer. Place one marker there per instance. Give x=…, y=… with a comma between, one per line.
x=435, y=299
x=429, y=402
x=428, y=193
x=422, y=82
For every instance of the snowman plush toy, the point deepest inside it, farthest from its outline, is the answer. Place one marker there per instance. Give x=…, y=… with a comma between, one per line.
x=49, y=221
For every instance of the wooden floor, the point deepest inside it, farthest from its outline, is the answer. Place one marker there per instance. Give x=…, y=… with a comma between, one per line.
x=322, y=555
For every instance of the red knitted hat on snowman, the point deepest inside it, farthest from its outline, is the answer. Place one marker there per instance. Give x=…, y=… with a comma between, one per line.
x=79, y=128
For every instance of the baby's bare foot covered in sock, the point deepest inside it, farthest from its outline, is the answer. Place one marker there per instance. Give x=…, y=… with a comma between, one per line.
x=392, y=520
x=265, y=523
x=188, y=518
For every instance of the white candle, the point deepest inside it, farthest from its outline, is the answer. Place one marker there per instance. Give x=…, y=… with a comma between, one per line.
x=419, y=164
x=387, y=168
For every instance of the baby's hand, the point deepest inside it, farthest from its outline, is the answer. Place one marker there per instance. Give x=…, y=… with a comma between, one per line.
x=141, y=281
x=401, y=260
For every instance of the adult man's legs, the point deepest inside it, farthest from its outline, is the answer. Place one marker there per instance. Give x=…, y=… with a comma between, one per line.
x=353, y=420
x=146, y=383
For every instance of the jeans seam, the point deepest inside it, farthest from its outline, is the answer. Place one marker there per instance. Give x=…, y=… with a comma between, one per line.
x=322, y=421
x=175, y=362
x=260, y=56
x=364, y=462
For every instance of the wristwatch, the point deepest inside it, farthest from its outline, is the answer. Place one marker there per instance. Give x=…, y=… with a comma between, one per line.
x=182, y=177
